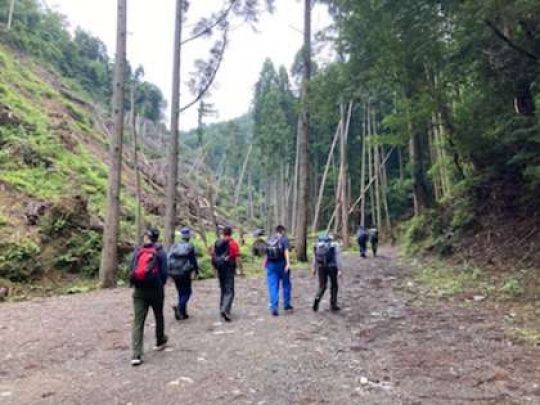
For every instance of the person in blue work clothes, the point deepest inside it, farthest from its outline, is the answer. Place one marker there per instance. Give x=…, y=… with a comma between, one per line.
x=278, y=271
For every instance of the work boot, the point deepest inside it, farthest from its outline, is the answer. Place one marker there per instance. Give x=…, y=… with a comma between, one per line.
x=176, y=313
x=316, y=304
x=226, y=316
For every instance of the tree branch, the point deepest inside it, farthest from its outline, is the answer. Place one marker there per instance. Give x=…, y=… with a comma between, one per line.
x=210, y=27
x=211, y=79
x=509, y=42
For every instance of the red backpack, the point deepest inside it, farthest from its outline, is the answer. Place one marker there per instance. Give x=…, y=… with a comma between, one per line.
x=145, y=273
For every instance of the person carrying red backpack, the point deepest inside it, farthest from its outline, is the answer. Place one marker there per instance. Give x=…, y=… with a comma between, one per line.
x=148, y=275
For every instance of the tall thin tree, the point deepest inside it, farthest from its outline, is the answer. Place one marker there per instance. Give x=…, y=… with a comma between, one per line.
x=10, y=14
x=363, y=170
x=172, y=182
x=303, y=143
x=109, y=253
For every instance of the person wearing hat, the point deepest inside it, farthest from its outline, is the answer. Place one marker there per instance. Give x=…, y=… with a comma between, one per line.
x=327, y=263
x=225, y=258
x=148, y=276
x=182, y=266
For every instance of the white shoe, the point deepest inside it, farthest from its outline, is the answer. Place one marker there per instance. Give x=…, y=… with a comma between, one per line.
x=136, y=361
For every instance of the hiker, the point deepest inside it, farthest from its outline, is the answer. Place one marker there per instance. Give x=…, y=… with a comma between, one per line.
x=148, y=275
x=374, y=240
x=182, y=267
x=362, y=238
x=225, y=257
x=277, y=267
x=327, y=263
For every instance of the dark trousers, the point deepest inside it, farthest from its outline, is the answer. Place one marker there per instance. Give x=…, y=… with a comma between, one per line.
x=226, y=284
x=183, y=286
x=362, y=243
x=326, y=273
x=143, y=299
x=374, y=245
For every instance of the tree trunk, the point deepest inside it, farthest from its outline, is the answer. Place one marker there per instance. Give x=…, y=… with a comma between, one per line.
x=344, y=182
x=421, y=191
x=250, y=197
x=435, y=163
x=363, y=171
x=10, y=14
x=401, y=171
x=109, y=253
x=241, y=178
x=170, y=211
x=325, y=175
x=138, y=188
x=303, y=165
x=296, y=173
x=377, y=173
x=370, y=168
x=364, y=190
x=283, y=195
x=384, y=194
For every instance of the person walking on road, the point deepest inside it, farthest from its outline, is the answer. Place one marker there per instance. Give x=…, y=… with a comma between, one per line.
x=327, y=264
x=362, y=238
x=182, y=267
x=148, y=276
x=278, y=270
x=225, y=257
x=374, y=240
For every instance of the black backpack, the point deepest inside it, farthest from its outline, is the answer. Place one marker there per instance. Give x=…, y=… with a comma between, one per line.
x=180, y=259
x=221, y=256
x=325, y=254
x=275, y=249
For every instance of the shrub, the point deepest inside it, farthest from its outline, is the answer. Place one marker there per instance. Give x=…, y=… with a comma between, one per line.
x=19, y=260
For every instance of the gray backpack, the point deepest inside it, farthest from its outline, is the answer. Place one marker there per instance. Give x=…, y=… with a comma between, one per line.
x=180, y=259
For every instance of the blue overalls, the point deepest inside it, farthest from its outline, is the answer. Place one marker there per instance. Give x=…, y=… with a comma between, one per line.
x=276, y=274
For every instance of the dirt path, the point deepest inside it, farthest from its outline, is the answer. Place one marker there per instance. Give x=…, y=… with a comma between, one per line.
x=378, y=350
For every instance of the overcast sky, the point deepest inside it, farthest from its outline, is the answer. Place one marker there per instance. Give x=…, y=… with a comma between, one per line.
x=151, y=27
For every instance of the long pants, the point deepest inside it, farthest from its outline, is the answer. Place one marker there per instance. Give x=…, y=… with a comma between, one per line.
x=326, y=273
x=226, y=284
x=276, y=275
x=362, y=243
x=374, y=245
x=143, y=299
x=183, y=286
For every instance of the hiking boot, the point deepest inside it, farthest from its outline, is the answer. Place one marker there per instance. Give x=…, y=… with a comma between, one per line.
x=182, y=313
x=316, y=305
x=176, y=312
x=226, y=317
x=289, y=308
x=161, y=345
x=136, y=361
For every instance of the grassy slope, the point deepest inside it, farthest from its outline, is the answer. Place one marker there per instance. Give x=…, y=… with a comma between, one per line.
x=53, y=150
x=50, y=151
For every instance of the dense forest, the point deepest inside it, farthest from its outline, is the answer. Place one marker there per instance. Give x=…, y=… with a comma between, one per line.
x=424, y=125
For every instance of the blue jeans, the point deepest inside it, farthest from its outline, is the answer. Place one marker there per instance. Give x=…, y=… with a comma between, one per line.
x=276, y=274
